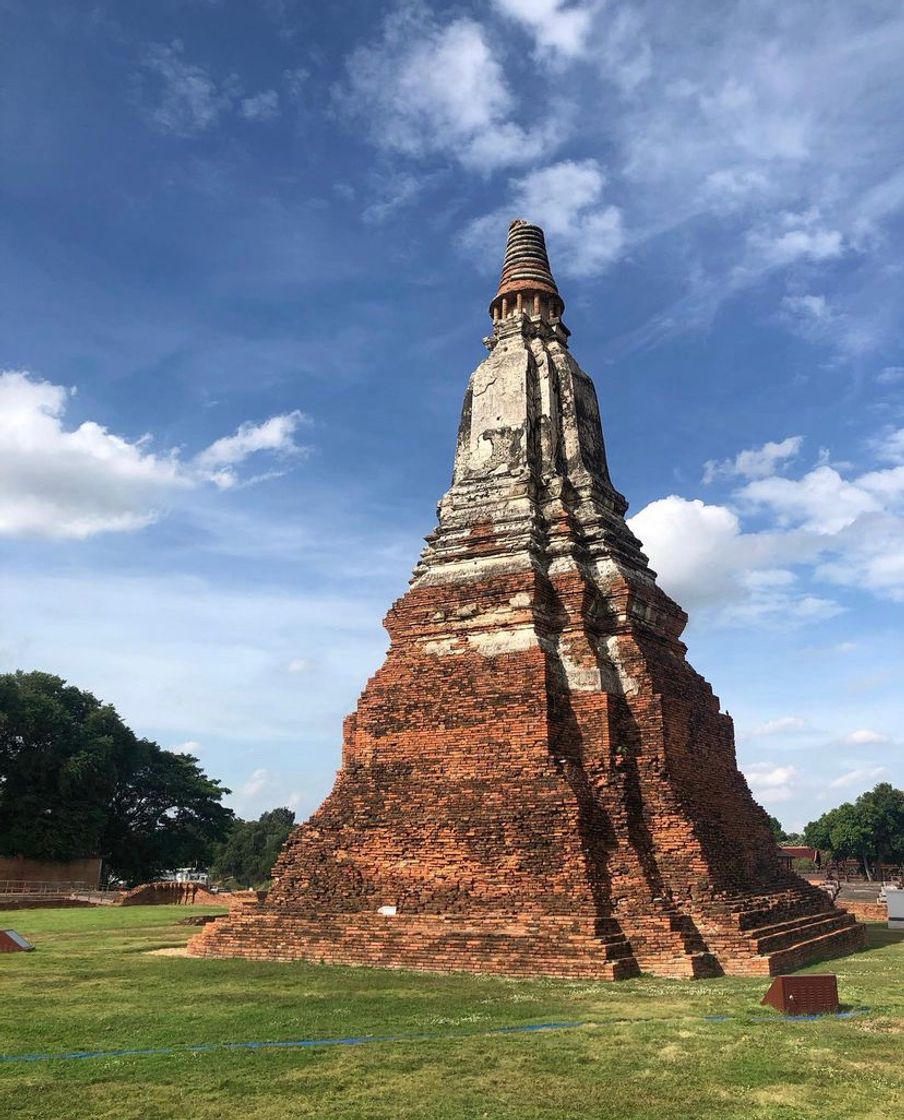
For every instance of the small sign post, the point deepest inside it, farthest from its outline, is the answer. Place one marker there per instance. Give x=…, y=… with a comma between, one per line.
x=12, y=942
x=803, y=995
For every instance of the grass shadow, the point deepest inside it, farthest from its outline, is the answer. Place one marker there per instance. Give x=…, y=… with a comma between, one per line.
x=879, y=936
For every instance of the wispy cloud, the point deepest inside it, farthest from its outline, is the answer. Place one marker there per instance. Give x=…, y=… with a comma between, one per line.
x=865, y=736
x=429, y=88
x=263, y=106
x=74, y=483
x=863, y=777
x=770, y=783
x=783, y=725
x=585, y=233
x=758, y=462
x=182, y=98
x=558, y=28
x=841, y=532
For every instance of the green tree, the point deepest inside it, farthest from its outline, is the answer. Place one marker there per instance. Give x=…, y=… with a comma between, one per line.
x=247, y=855
x=870, y=829
x=164, y=813
x=76, y=781
x=777, y=831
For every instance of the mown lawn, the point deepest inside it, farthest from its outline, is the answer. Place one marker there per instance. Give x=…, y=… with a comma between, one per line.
x=646, y=1049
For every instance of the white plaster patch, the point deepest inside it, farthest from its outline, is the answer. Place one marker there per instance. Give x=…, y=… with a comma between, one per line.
x=464, y=571
x=630, y=686
x=441, y=647
x=509, y=640
x=562, y=565
x=580, y=678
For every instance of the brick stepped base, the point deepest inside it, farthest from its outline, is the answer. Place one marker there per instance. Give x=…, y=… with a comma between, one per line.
x=546, y=946
x=667, y=943
x=506, y=946
x=783, y=931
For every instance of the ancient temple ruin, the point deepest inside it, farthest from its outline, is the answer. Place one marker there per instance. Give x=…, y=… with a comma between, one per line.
x=536, y=781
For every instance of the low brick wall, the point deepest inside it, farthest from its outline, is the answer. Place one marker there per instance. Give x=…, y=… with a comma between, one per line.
x=51, y=871
x=171, y=894
x=42, y=903
x=864, y=911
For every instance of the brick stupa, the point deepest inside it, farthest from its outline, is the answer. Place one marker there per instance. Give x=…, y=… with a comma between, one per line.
x=536, y=782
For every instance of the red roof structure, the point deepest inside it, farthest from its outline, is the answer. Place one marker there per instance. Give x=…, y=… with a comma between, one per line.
x=796, y=851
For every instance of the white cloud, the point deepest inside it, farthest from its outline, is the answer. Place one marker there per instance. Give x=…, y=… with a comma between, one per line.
x=74, y=483
x=429, y=89
x=737, y=147
x=584, y=234
x=770, y=783
x=782, y=726
x=757, y=462
x=190, y=746
x=295, y=80
x=808, y=307
x=708, y=564
x=62, y=483
x=188, y=100
x=861, y=777
x=263, y=106
x=183, y=98
x=775, y=249
x=821, y=501
x=693, y=547
x=890, y=375
x=865, y=736
x=387, y=193
x=727, y=187
x=814, y=318
x=613, y=36
x=300, y=665
x=889, y=447
x=276, y=435
x=836, y=530
x=556, y=26
x=256, y=782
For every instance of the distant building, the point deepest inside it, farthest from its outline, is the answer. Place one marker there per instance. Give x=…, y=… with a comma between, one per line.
x=792, y=852
x=188, y=875
x=17, y=869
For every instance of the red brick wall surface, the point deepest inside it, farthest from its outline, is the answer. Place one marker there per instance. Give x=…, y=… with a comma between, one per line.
x=536, y=781
x=483, y=794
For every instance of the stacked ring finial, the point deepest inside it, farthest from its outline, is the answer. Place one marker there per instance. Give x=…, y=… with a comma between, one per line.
x=527, y=282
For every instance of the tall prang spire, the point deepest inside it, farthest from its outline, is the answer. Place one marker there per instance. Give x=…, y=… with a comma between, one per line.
x=535, y=782
x=526, y=283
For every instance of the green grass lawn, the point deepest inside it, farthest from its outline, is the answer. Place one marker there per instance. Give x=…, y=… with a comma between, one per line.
x=647, y=1049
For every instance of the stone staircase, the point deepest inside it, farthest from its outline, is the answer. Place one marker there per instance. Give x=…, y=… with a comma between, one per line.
x=666, y=942
x=781, y=931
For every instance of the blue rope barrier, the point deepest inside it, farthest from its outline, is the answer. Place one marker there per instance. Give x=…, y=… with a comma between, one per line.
x=363, y=1040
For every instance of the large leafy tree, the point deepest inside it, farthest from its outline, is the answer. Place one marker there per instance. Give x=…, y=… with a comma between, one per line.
x=870, y=829
x=777, y=830
x=249, y=852
x=76, y=781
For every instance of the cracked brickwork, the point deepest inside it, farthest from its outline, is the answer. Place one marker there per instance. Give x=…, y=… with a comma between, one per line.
x=536, y=782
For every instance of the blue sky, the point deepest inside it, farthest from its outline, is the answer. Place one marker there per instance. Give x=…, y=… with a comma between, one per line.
x=246, y=255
